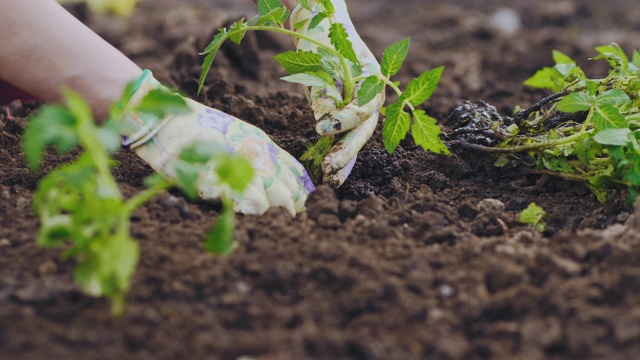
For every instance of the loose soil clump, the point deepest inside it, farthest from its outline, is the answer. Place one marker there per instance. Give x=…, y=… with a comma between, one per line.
x=417, y=256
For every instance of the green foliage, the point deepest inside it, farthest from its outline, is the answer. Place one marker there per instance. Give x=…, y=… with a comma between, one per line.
x=533, y=216
x=80, y=206
x=599, y=146
x=335, y=71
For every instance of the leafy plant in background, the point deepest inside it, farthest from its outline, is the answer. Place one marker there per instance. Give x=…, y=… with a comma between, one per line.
x=337, y=70
x=587, y=131
x=80, y=206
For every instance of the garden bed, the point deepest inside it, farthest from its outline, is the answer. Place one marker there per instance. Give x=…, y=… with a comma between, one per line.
x=416, y=256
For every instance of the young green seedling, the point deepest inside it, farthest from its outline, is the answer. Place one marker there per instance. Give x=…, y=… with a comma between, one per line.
x=336, y=69
x=588, y=130
x=533, y=216
x=80, y=203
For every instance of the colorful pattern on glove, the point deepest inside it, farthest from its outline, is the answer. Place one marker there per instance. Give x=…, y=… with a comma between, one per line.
x=280, y=180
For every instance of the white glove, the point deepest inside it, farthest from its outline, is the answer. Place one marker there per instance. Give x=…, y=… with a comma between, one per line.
x=358, y=122
x=279, y=179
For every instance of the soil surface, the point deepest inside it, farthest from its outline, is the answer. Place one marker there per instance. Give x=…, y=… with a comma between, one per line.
x=417, y=256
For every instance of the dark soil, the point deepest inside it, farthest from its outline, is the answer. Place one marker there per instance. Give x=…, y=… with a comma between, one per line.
x=417, y=256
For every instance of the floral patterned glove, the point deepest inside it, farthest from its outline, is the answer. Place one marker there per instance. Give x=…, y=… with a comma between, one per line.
x=358, y=122
x=279, y=179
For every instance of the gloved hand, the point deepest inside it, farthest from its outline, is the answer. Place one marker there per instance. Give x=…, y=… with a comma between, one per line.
x=358, y=122
x=279, y=179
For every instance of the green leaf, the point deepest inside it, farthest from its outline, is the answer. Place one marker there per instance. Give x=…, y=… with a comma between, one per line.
x=327, y=6
x=608, y=117
x=266, y=6
x=237, y=31
x=235, y=171
x=52, y=125
x=276, y=16
x=307, y=79
x=340, y=41
x=614, y=54
x=395, y=126
x=300, y=24
x=576, y=102
x=211, y=50
x=393, y=57
x=561, y=58
x=295, y=62
x=546, y=78
x=369, y=89
x=426, y=133
x=421, y=88
x=306, y=4
x=613, y=97
x=219, y=240
x=617, y=137
x=160, y=103
x=533, y=216
x=316, y=20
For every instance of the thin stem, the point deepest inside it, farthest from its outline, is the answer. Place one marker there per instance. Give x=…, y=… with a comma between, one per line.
x=522, y=148
x=144, y=196
x=348, y=81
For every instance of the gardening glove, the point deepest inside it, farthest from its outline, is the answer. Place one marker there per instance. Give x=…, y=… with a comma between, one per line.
x=279, y=179
x=357, y=122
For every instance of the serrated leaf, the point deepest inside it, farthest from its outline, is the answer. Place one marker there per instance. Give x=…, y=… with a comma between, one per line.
x=613, y=97
x=237, y=31
x=219, y=240
x=426, y=133
x=617, y=137
x=211, y=50
x=316, y=20
x=295, y=62
x=576, y=102
x=393, y=57
x=266, y=6
x=395, y=126
x=276, y=16
x=608, y=117
x=421, y=88
x=369, y=89
x=340, y=40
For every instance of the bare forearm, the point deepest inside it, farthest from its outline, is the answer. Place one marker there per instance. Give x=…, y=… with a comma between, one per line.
x=44, y=48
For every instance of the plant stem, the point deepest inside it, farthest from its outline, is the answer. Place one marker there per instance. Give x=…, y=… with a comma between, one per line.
x=522, y=148
x=348, y=80
x=143, y=197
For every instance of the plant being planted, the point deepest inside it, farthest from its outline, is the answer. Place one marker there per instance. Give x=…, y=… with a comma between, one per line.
x=334, y=71
x=81, y=207
x=587, y=131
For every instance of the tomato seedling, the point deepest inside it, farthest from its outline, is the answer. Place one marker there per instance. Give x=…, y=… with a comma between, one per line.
x=587, y=130
x=336, y=70
x=80, y=206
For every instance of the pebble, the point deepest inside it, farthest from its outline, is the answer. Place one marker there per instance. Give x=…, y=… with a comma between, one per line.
x=506, y=20
x=491, y=206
